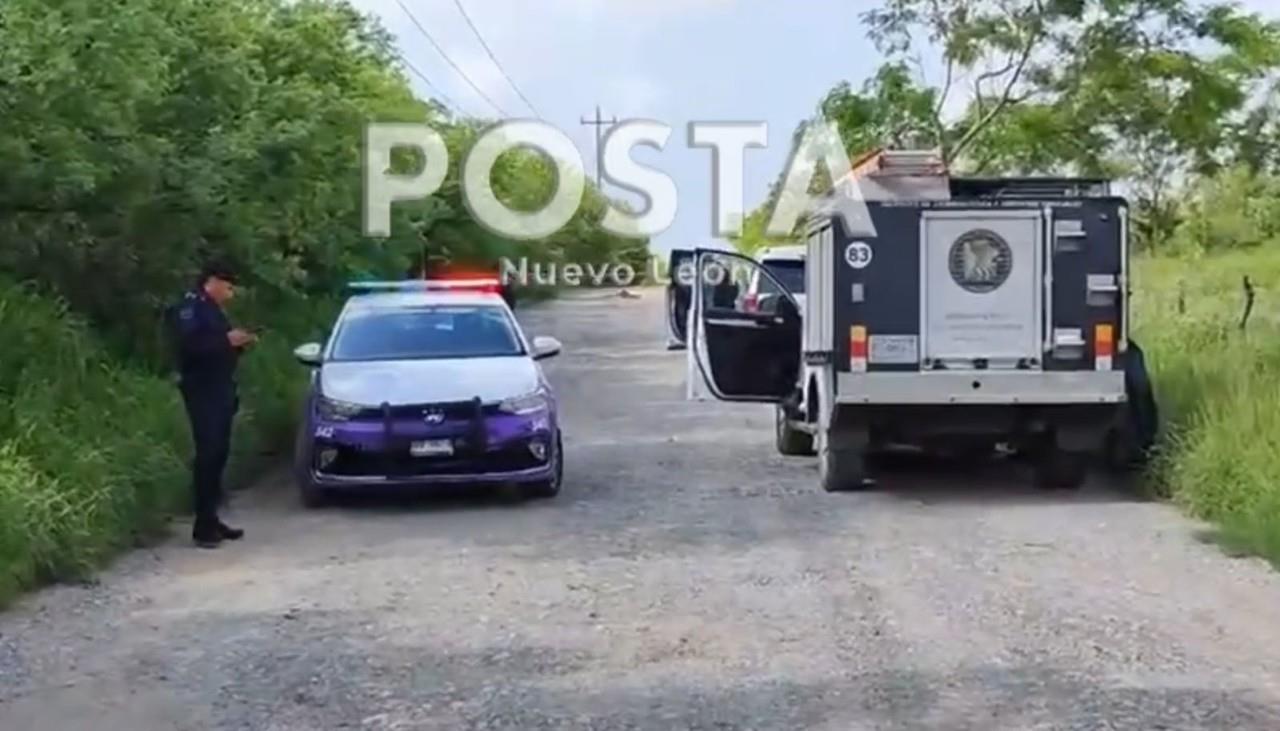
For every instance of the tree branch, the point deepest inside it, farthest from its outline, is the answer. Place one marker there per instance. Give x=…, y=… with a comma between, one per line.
x=979, y=95
x=1005, y=98
x=1013, y=61
x=939, y=131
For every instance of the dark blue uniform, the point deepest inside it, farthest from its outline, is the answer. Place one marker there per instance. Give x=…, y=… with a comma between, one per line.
x=207, y=363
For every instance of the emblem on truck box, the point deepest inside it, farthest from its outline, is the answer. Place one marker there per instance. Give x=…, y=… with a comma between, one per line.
x=980, y=261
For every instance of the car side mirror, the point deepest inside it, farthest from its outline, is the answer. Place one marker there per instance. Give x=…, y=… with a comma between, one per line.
x=545, y=347
x=309, y=355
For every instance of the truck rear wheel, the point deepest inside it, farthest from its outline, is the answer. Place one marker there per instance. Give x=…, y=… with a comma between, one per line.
x=790, y=441
x=1121, y=453
x=1059, y=469
x=841, y=469
x=1130, y=444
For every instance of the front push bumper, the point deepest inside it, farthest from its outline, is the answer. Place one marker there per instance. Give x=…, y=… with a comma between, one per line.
x=537, y=474
x=519, y=449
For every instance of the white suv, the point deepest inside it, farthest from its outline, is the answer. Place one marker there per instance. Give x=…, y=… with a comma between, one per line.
x=786, y=263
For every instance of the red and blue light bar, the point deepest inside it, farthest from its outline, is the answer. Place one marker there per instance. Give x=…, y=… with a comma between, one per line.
x=485, y=285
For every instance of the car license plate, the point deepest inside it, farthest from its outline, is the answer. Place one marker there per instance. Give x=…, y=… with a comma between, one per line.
x=432, y=448
x=893, y=349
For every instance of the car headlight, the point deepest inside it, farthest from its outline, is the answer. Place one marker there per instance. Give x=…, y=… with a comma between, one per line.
x=334, y=410
x=530, y=403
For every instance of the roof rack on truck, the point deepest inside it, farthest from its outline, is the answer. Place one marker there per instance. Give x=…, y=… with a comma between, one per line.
x=1030, y=187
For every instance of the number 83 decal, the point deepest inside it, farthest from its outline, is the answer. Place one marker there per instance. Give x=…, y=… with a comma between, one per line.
x=858, y=254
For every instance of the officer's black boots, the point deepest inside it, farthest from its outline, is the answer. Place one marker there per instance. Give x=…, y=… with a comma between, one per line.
x=213, y=537
x=207, y=539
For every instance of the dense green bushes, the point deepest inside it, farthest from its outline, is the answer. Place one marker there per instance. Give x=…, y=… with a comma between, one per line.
x=1219, y=389
x=138, y=137
x=94, y=453
x=90, y=452
x=1235, y=209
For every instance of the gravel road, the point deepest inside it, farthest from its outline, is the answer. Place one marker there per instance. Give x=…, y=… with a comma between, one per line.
x=688, y=577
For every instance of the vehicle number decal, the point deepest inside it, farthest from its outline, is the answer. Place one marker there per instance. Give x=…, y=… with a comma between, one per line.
x=858, y=255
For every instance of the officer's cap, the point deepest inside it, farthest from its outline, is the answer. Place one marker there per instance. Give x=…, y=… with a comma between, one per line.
x=220, y=269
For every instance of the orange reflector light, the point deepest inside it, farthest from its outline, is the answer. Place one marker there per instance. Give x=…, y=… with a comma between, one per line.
x=1104, y=341
x=858, y=341
x=1104, y=345
x=858, y=348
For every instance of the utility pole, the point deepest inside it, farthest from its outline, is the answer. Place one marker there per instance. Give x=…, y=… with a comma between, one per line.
x=599, y=123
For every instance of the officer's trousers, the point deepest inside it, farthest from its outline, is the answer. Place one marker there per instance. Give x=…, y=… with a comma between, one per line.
x=211, y=408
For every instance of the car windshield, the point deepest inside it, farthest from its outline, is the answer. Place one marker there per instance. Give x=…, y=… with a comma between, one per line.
x=789, y=272
x=426, y=332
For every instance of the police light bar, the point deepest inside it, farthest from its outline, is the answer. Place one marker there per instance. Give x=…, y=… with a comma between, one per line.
x=480, y=284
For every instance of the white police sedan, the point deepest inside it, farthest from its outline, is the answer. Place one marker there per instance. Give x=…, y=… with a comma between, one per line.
x=426, y=383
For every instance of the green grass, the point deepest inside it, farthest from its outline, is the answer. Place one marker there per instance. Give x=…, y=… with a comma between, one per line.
x=1218, y=389
x=94, y=452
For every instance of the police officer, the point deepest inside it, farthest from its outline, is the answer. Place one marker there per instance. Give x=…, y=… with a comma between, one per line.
x=208, y=351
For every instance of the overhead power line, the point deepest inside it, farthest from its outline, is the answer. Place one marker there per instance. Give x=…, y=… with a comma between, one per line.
x=492, y=57
x=435, y=90
x=455, y=66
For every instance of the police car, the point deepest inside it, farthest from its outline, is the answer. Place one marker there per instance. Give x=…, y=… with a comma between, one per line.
x=428, y=382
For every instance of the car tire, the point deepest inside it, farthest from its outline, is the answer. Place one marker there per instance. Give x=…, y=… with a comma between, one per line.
x=791, y=442
x=550, y=488
x=841, y=470
x=1058, y=469
x=311, y=494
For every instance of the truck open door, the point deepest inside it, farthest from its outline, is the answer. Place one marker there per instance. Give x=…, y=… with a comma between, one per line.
x=742, y=355
x=679, y=297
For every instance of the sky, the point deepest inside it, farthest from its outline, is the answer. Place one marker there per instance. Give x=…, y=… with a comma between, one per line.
x=674, y=61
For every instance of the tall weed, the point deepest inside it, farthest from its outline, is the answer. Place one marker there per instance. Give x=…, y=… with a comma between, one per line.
x=94, y=452
x=1218, y=387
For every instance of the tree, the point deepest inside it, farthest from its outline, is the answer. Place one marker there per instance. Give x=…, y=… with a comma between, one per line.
x=139, y=136
x=891, y=110
x=1146, y=91
x=988, y=43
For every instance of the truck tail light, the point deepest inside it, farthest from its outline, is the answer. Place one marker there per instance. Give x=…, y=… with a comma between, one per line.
x=1104, y=344
x=858, y=348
